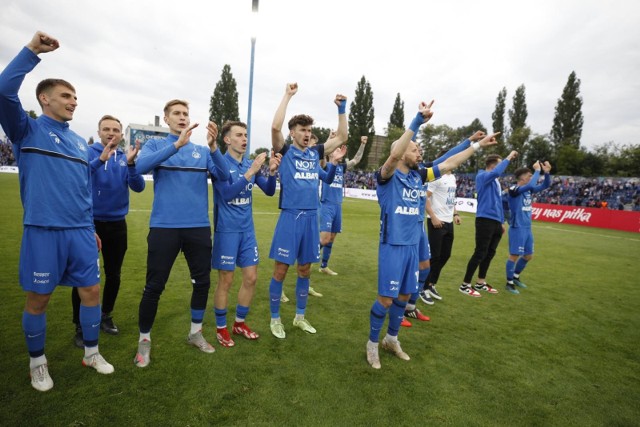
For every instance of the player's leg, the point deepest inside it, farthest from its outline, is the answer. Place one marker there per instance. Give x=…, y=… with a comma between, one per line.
x=163, y=248
x=494, y=240
x=527, y=255
x=114, y=248
x=224, y=259
x=308, y=235
x=332, y=223
x=483, y=239
x=248, y=262
x=197, y=248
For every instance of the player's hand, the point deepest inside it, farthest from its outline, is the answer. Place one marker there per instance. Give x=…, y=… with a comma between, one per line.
x=457, y=220
x=489, y=140
x=292, y=89
x=338, y=154
x=185, y=135
x=132, y=152
x=42, y=43
x=109, y=149
x=425, y=110
x=512, y=155
x=436, y=222
x=274, y=162
x=256, y=165
x=212, y=136
x=536, y=165
x=477, y=136
x=546, y=167
x=364, y=139
x=98, y=242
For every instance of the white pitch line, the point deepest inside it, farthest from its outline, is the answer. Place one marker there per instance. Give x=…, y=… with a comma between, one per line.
x=590, y=234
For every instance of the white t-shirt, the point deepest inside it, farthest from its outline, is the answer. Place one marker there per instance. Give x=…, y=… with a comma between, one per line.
x=443, y=197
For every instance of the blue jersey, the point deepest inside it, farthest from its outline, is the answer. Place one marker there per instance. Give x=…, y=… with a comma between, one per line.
x=180, y=184
x=233, y=200
x=300, y=177
x=334, y=192
x=489, y=193
x=520, y=200
x=53, y=161
x=110, y=183
x=399, y=200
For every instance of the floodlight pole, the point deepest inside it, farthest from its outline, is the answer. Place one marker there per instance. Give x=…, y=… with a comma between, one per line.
x=254, y=10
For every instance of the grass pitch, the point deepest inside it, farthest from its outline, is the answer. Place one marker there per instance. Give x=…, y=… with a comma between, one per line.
x=563, y=352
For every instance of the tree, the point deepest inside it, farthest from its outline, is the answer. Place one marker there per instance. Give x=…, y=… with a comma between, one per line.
x=32, y=114
x=498, y=115
x=538, y=148
x=393, y=133
x=224, y=102
x=396, y=120
x=361, y=115
x=568, y=120
x=321, y=133
x=519, y=131
x=569, y=160
x=259, y=151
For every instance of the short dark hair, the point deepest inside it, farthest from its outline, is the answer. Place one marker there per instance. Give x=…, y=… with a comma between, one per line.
x=300, y=119
x=108, y=117
x=47, y=84
x=492, y=159
x=226, y=127
x=522, y=171
x=173, y=102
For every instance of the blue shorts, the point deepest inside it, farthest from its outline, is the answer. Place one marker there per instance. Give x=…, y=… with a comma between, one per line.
x=424, y=250
x=231, y=249
x=397, y=270
x=520, y=241
x=296, y=238
x=50, y=257
x=330, y=218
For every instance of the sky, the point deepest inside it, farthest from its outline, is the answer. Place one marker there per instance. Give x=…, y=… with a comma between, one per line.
x=127, y=58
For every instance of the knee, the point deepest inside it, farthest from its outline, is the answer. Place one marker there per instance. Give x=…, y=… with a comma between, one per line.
x=304, y=271
x=36, y=303
x=528, y=257
x=90, y=295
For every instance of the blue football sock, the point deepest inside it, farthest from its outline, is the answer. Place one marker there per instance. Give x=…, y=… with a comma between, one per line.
x=275, y=292
x=221, y=317
x=326, y=254
x=241, y=312
x=520, y=265
x=302, y=294
x=396, y=314
x=34, y=327
x=90, y=323
x=422, y=278
x=376, y=319
x=412, y=299
x=197, y=315
x=511, y=265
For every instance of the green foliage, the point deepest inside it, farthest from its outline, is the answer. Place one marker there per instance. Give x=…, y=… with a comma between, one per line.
x=321, y=133
x=261, y=150
x=518, y=112
x=224, y=102
x=32, y=114
x=396, y=120
x=361, y=116
x=437, y=138
x=393, y=134
x=498, y=115
x=569, y=160
x=563, y=352
x=539, y=148
x=568, y=120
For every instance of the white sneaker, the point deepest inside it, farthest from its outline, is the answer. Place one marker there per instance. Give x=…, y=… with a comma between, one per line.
x=313, y=292
x=143, y=356
x=277, y=329
x=197, y=340
x=372, y=355
x=394, y=347
x=97, y=362
x=304, y=325
x=40, y=379
x=327, y=270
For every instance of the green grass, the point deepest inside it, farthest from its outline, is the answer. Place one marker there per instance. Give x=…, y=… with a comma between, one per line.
x=564, y=352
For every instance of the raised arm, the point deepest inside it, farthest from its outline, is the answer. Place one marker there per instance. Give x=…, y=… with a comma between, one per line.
x=356, y=159
x=135, y=181
x=454, y=161
x=399, y=147
x=342, y=133
x=277, y=138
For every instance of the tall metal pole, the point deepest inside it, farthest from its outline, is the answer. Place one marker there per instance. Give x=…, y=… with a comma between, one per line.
x=254, y=10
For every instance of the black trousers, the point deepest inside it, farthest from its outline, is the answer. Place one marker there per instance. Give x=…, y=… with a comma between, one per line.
x=441, y=243
x=488, y=235
x=113, y=235
x=164, y=246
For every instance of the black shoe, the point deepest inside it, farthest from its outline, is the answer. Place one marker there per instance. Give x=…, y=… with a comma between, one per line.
x=107, y=325
x=78, y=341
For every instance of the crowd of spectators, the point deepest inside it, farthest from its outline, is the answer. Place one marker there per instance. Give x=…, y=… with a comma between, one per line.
x=6, y=153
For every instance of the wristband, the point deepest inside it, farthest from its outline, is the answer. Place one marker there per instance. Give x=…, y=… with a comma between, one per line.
x=416, y=123
x=342, y=108
x=475, y=146
x=131, y=165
